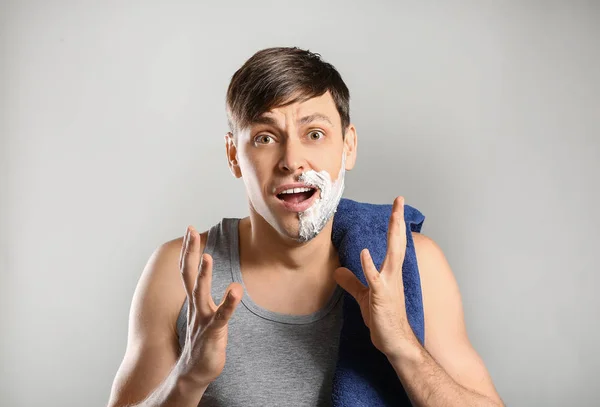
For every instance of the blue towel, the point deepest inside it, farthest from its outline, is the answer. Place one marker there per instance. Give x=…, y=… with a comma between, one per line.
x=363, y=375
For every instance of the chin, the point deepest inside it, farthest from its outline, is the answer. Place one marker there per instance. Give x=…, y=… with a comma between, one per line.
x=300, y=231
x=290, y=228
x=289, y=224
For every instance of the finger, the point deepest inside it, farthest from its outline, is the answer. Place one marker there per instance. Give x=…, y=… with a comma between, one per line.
x=202, y=294
x=396, y=238
x=349, y=282
x=228, y=305
x=183, y=246
x=188, y=275
x=369, y=268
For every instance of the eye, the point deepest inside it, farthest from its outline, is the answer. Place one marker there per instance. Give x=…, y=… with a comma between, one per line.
x=263, y=139
x=316, y=135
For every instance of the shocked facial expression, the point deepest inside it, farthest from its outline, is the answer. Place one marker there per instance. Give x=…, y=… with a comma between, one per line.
x=292, y=160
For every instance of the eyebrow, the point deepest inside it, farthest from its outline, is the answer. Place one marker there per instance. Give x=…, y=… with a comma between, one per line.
x=302, y=121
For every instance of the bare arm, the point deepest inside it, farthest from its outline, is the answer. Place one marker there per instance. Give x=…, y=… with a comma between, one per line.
x=149, y=374
x=448, y=371
x=427, y=384
x=174, y=391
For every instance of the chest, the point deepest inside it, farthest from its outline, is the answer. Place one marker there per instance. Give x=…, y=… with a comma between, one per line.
x=289, y=295
x=270, y=363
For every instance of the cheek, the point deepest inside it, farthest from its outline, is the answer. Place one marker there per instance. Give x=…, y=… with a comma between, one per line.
x=255, y=171
x=335, y=171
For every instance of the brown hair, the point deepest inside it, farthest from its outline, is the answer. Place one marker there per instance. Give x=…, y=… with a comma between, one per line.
x=279, y=76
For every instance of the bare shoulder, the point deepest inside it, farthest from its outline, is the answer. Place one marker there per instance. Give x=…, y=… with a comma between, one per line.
x=441, y=295
x=433, y=265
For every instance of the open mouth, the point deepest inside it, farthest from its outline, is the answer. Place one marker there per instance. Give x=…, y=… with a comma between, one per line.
x=297, y=195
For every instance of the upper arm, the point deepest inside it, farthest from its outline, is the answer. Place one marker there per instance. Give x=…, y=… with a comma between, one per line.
x=446, y=337
x=152, y=342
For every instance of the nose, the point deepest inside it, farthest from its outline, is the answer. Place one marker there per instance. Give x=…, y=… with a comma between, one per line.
x=292, y=158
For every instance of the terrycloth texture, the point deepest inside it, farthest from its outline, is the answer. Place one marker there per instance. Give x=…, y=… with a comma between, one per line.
x=363, y=375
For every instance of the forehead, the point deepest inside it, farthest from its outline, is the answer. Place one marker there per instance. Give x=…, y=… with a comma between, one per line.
x=319, y=108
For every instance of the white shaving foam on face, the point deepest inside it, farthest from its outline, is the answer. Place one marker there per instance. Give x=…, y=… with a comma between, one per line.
x=314, y=219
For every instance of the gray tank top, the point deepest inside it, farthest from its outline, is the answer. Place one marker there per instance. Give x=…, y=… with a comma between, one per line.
x=273, y=359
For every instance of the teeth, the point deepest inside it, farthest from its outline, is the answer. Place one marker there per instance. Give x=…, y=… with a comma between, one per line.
x=295, y=190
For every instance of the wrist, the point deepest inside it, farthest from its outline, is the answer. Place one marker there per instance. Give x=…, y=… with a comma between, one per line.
x=407, y=357
x=184, y=383
x=404, y=345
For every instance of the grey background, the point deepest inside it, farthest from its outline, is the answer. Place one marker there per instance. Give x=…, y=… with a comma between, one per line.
x=484, y=115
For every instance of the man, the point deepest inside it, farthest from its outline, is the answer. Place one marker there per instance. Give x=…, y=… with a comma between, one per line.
x=291, y=142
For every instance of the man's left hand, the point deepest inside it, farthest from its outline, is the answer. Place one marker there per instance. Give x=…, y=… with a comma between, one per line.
x=382, y=303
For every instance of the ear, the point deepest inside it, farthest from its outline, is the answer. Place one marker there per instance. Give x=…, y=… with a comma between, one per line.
x=231, y=151
x=350, y=146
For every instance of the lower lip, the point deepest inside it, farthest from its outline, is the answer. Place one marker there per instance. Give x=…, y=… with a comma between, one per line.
x=300, y=206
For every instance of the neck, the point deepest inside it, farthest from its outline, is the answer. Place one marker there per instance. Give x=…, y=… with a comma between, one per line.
x=264, y=248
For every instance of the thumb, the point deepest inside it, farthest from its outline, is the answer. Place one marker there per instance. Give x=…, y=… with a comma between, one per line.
x=349, y=282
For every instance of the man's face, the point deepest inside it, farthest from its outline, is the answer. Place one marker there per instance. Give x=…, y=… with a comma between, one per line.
x=295, y=146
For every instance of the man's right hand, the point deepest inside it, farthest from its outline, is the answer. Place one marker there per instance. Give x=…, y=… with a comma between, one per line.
x=203, y=355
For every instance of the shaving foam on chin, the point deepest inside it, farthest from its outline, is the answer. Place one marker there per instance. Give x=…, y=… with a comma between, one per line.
x=314, y=219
